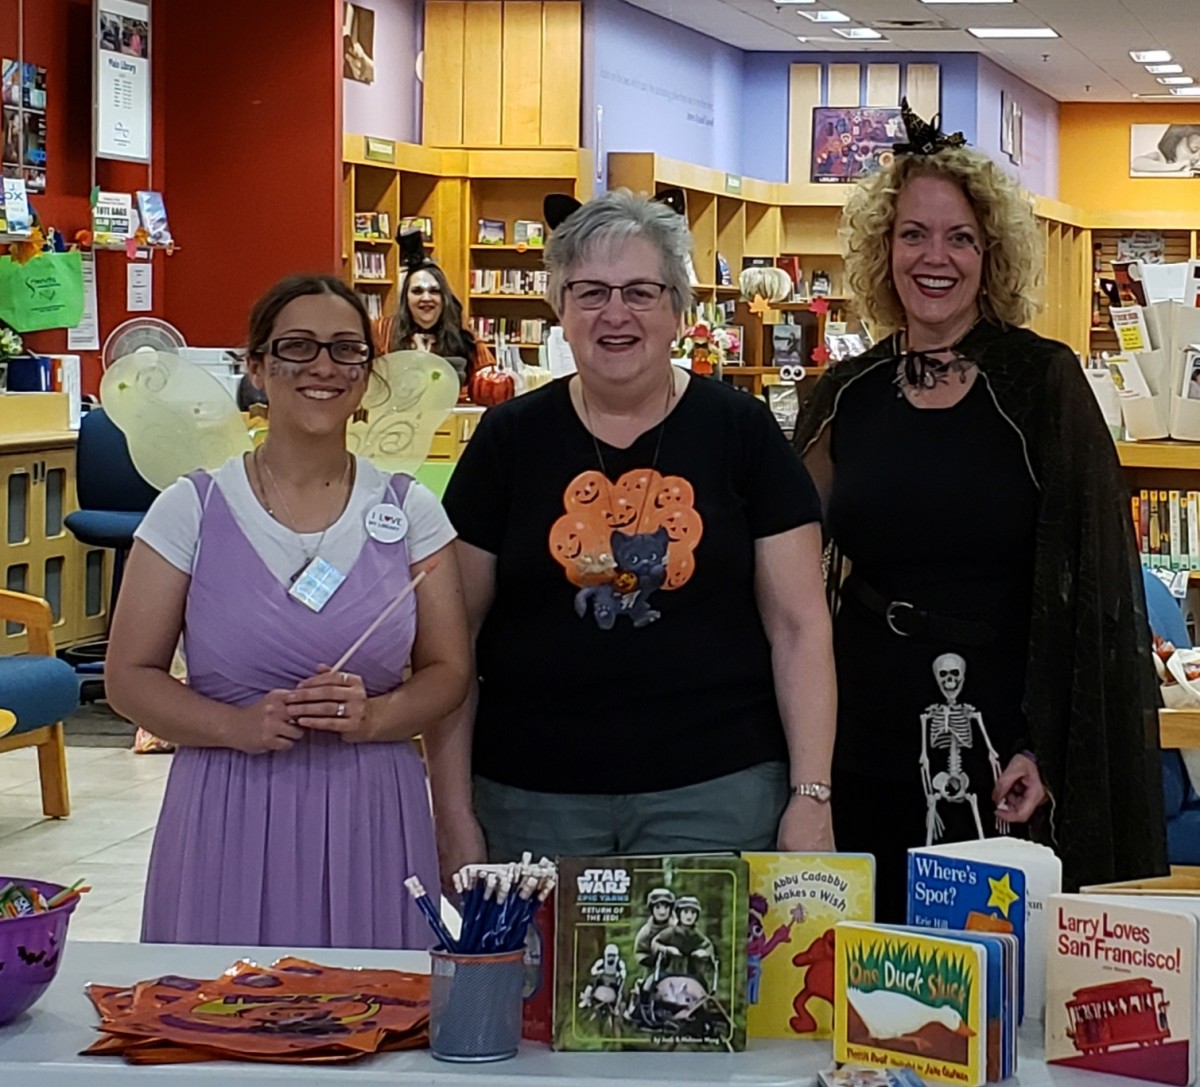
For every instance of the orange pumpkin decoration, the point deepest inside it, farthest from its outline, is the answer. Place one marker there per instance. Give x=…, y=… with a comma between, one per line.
x=492, y=385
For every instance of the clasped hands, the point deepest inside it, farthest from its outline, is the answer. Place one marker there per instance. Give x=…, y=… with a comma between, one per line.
x=326, y=701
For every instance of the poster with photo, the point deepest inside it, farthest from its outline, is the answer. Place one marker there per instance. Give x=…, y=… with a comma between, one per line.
x=358, y=43
x=123, y=80
x=1164, y=150
x=23, y=123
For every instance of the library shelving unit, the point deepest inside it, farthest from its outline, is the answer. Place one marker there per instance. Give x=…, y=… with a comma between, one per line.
x=456, y=187
x=506, y=185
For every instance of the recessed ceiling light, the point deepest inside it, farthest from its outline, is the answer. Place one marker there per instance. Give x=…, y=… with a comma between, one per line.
x=1186, y=92
x=1150, y=56
x=1012, y=32
x=967, y=1
x=793, y=1
x=860, y=33
x=826, y=16
x=1164, y=69
x=1176, y=80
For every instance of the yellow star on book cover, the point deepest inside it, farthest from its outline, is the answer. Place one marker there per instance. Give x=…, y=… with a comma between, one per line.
x=1002, y=895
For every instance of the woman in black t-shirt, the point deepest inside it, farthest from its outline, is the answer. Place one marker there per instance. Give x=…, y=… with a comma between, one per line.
x=641, y=558
x=991, y=641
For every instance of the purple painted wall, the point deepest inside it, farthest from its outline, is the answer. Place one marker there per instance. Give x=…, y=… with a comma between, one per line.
x=389, y=107
x=1038, y=171
x=661, y=87
x=765, y=100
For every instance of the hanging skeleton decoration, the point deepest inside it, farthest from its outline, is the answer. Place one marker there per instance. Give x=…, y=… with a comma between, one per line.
x=949, y=727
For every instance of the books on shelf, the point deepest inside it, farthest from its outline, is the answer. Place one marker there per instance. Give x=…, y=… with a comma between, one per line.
x=1167, y=528
x=1121, y=985
x=529, y=232
x=375, y=225
x=796, y=900
x=423, y=223
x=516, y=281
x=856, y=1075
x=651, y=953
x=529, y=330
x=113, y=220
x=153, y=213
x=491, y=231
x=369, y=264
x=373, y=301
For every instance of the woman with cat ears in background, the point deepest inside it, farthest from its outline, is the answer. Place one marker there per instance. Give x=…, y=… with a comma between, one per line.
x=429, y=317
x=641, y=559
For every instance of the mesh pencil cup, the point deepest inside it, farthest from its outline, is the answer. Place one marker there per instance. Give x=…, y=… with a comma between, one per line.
x=475, y=1005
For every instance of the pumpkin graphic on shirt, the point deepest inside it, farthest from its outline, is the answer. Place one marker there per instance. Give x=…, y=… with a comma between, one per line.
x=621, y=543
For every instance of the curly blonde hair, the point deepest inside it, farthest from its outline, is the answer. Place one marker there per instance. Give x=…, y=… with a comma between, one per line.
x=1012, y=243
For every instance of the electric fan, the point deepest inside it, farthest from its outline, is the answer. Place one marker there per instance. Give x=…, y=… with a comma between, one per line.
x=141, y=334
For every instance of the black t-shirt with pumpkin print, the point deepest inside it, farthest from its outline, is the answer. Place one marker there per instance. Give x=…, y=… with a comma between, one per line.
x=624, y=651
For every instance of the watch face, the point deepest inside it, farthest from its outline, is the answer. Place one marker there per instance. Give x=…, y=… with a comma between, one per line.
x=823, y=793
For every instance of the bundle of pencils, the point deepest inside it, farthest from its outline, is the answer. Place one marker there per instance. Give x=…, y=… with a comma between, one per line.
x=498, y=903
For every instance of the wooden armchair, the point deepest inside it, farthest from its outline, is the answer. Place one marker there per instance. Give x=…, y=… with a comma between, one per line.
x=37, y=691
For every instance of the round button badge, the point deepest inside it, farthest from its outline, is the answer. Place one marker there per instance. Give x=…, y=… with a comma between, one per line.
x=386, y=523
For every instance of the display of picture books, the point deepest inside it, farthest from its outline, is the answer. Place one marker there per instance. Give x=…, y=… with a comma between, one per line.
x=906, y=997
x=15, y=220
x=1121, y=986
x=1191, y=372
x=23, y=123
x=1129, y=323
x=113, y=221
x=1127, y=376
x=1043, y=877
x=796, y=900
x=491, y=231
x=529, y=232
x=154, y=217
x=651, y=953
x=423, y=223
x=946, y=892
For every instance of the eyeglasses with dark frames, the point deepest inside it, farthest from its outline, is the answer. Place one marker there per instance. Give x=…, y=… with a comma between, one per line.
x=302, y=349
x=592, y=294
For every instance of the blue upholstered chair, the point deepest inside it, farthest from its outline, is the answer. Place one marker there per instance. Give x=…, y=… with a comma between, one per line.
x=1180, y=799
x=113, y=498
x=40, y=691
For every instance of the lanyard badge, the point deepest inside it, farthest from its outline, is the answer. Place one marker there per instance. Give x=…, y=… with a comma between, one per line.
x=316, y=583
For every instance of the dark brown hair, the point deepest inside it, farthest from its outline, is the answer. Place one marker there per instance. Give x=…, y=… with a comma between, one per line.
x=267, y=309
x=451, y=340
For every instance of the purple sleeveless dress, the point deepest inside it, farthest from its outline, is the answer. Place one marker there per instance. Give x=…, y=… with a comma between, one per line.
x=302, y=848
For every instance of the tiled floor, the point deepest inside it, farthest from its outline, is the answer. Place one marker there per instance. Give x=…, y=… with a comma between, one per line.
x=115, y=797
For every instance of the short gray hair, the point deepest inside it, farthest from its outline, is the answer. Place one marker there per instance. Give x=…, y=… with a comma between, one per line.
x=608, y=222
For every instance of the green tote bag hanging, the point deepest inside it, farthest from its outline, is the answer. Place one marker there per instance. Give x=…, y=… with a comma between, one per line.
x=45, y=292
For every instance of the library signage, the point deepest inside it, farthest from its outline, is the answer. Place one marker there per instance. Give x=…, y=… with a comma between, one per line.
x=379, y=150
x=122, y=80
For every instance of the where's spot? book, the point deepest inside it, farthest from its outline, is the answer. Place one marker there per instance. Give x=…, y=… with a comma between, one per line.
x=650, y=953
x=796, y=900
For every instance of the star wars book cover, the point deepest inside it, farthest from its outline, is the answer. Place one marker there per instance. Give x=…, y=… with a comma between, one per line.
x=796, y=899
x=650, y=953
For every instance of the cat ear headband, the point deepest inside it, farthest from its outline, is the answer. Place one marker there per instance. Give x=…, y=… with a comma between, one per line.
x=412, y=249
x=925, y=137
x=556, y=207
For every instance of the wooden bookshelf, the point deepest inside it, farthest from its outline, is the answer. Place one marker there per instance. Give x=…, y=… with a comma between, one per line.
x=1160, y=455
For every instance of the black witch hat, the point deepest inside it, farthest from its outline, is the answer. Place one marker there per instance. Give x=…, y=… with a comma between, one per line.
x=412, y=249
x=924, y=137
x=556, y=207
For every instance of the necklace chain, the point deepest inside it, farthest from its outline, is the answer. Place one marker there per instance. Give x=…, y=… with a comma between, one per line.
x=262, y=462
x=662, y=426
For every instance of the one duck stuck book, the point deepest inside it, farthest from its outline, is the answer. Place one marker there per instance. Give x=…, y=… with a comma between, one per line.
x=650, y=953
x=904, y=999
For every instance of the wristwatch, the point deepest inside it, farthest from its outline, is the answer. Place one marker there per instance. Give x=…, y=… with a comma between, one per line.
x=817, y=790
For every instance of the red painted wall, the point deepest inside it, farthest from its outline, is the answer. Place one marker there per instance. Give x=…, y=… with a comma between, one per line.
x=253, y=147
x=246, y=151
x=58, y=36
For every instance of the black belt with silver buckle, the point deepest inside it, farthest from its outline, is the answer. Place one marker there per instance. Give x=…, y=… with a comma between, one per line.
x=907, y=620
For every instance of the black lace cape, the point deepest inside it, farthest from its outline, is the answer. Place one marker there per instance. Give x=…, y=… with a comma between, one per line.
x=1090, y=694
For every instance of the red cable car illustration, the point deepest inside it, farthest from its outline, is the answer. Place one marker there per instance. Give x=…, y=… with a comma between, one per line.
x=1120, y=1013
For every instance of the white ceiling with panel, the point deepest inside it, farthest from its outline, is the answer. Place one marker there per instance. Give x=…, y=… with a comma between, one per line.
x=1088, y=62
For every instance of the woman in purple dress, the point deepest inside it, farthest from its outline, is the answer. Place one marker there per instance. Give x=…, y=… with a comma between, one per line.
x=296, y=804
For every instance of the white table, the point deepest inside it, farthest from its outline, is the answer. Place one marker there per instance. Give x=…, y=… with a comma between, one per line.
x=40, y=1048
